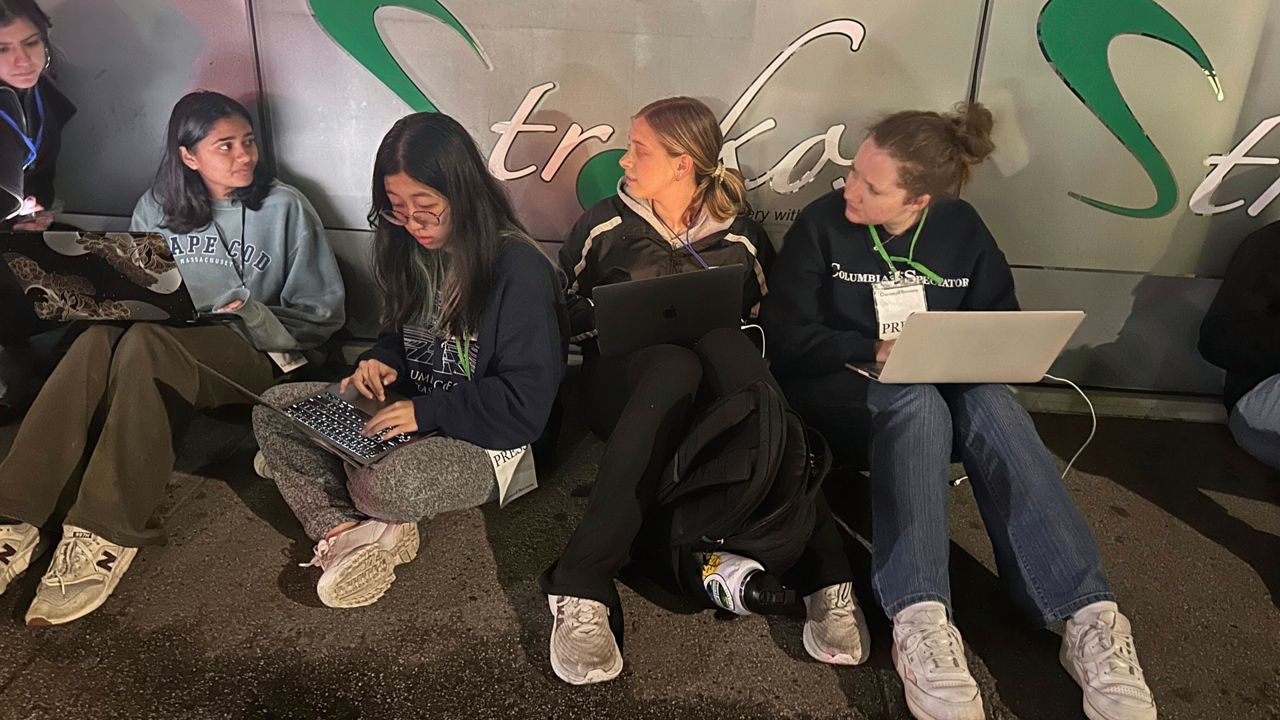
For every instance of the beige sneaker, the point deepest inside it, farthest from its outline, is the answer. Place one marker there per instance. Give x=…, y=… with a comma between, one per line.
x=836, y=630
x=84, y=572
x=18, y=544
x=583, y=649
x=359, y=564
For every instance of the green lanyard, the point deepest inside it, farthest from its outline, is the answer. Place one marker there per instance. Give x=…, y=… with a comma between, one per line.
x=911, y=253
x=464, y=355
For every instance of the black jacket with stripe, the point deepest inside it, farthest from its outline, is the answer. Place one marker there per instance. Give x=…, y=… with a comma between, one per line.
x=620, y=239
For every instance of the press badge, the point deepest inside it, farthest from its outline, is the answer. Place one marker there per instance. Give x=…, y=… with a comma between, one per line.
x=895, y=300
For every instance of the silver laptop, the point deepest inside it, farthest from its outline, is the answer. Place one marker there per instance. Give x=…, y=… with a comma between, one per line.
x=975, y=347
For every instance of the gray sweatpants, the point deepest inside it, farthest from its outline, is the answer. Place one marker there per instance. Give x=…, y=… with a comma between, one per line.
x=420, y=480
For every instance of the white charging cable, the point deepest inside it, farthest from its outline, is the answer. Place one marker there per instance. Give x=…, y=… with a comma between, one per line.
x=762, y=340
x=1093, y=429
x=1093, y=418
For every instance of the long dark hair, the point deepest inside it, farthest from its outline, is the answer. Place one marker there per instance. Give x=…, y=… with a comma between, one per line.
x=179, y=189
x=434, y=150
x=12, y=11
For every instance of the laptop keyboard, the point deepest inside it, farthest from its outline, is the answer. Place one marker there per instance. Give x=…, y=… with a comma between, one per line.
x=341, y=422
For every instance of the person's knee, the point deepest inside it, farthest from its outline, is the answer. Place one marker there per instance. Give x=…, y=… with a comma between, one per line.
x=669, y=367
x=919, y=400
x=139, y=348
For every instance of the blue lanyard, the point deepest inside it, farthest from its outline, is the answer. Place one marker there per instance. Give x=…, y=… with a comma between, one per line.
x=685, y=241
x=32, y=147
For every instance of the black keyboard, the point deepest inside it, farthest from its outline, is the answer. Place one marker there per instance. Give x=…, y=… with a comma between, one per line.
x=341, y=422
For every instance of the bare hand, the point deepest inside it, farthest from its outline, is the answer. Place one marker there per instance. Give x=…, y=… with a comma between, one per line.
x=232, y=306
x=392, y=420
x=883, y=348
x=370, y=377
x=36, y=218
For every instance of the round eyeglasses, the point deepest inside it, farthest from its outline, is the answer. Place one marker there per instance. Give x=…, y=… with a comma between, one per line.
x=424, y=218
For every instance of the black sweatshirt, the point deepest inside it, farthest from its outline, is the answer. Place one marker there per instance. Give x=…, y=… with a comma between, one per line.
x=20, y=105
x=820, y=313
x=516, y=361
x=1241, y=331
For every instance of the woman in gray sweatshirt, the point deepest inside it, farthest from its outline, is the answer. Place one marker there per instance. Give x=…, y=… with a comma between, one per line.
x=103, y=429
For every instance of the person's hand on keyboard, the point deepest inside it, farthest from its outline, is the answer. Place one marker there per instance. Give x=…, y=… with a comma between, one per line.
x=394, y=419
x=370, y=377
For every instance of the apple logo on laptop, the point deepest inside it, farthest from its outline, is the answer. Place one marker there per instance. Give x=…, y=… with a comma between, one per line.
x=669, y=313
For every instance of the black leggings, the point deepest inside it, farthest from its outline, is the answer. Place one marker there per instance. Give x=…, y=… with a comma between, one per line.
x=642, y=405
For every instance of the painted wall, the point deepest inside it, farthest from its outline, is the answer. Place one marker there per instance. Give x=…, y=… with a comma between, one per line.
x=1096, y=100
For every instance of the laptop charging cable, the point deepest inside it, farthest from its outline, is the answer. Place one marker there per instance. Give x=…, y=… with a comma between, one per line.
x=761, y=331
x=1093, y=429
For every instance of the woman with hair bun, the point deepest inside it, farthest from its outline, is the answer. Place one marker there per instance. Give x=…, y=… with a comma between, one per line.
x=856, y=262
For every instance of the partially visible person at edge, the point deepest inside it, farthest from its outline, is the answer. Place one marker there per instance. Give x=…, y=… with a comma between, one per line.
x=856, y=262
x=475, y=340
x=33, y=112
x=1241, y=334
x=96, y=450
x=678, y=209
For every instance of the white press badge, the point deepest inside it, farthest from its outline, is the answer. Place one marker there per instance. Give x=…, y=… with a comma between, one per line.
x=516, y=473
x=895, y=301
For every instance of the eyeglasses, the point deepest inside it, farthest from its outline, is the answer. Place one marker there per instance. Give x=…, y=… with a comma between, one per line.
x=424, y=218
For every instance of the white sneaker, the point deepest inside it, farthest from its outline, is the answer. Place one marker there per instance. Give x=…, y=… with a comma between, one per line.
x=1098, y=652
x=583, y=649
x=18, y=543
x=836, y=630
x=359, y=564
x=84, y=572
x=929, y=657
x=260, y=466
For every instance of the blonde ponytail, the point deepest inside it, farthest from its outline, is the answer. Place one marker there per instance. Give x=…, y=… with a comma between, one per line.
x=686, y=126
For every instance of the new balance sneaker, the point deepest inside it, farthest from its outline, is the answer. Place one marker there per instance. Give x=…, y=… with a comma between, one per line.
x=583, y=649
x=836, y=630
x=85, y=571
x=929, y=657
x=18, y=543
x=359, y=563
x=1098, y=652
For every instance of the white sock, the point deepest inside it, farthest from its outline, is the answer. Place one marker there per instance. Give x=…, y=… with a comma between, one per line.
x=1093, y=610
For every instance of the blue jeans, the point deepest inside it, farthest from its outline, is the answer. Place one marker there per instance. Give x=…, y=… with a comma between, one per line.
x=1044, y=551
x=1255, y=421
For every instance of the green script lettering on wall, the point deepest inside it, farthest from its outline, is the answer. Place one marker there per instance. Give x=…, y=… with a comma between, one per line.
x=1074, y=37
x=351, y=24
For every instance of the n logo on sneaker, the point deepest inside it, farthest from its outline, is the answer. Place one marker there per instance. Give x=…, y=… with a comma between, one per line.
x=108, y=561
x=7, y=552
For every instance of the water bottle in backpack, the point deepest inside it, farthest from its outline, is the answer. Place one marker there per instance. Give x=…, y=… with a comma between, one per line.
x=741, y=585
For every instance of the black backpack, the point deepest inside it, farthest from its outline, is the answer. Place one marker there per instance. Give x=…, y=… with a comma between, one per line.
x=745, y=479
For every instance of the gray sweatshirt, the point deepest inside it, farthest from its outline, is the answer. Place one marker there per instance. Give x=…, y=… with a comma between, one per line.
x=276, y=259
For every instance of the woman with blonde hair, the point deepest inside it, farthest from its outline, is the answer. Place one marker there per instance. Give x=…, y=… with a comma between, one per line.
x=678, y=209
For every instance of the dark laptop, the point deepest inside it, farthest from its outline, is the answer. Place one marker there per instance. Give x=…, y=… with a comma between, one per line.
x=333, y=420
x=677, y=309
x=101, y=276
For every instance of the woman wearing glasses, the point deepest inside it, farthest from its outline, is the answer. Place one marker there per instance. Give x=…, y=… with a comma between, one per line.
x=96, y=449
x=474, y=339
